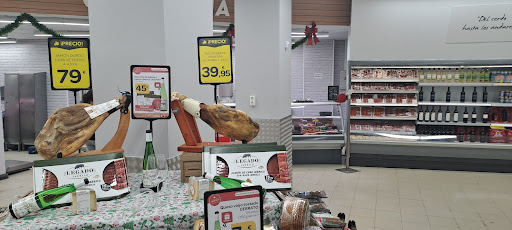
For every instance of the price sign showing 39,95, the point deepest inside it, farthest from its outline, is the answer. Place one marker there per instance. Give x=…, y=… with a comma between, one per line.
x=215, y=65
x=150, y=90
x=69, y=63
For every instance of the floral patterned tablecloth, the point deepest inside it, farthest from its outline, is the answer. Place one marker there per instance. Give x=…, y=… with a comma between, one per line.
x=171, y=208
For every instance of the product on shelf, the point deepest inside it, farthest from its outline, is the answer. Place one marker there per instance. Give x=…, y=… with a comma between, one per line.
x=370, y=86
x=356, y=111
x=384, y=74
x=448, y=95
x=383, y=126
x=319, y=125
x=302, y=100
x=420, y=94
x=505, y=96
x=501, y=76
x=500, y=114
x=462, y=95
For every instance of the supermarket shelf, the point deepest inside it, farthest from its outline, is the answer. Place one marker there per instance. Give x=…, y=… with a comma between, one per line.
x=502, y=104
x=384, y=80
x=381, y=132
x=385, y=118
x=506, y=125
x=455, y=103
x=465, y=144
x=454, y=84
x=315, y=103
x=383, y=104
x=313, y=117
x=382, y=91
x=453, y=123
x=501, y=84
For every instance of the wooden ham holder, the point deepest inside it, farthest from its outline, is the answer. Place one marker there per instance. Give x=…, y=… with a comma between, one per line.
x=191, y=159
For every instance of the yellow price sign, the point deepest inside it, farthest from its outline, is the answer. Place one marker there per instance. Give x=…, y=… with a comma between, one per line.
x=69, y=63
x=142, y=88
x=497, y=127
x=215, y=65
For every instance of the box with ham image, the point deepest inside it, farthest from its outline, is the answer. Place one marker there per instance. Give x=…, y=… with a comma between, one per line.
x=264, y=164
x=107, y=175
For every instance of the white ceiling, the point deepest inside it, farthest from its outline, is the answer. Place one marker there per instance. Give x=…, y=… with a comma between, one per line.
x=26, y=31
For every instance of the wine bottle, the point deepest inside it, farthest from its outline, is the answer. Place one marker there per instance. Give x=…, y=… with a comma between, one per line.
x=462, y=95
x=42, y=199
x=164, y=104
x=485, y=116
x=443, y=75
x=456, y=75
x=473, y=115
x=422, y=75
x=455, y=115
x=439, y=75
x=427, y=115
x=472, y=136
x=149, y=166
x=474, y=76
x=484, y=95
x=482, y=75
x=224, y=181
x=483, y=137
x=461, y=135
x=420, y=114
x=447, y=115
x=439, y=114
x=461, y=76
x=504, y=115
x=465, y=115
x=420, y=94
x=474, y=97
x=432, y=115
x=429, y=75
x=432, y=95
x=449, y=76
x=448, y=95
x=217, y=221
x=487, y=75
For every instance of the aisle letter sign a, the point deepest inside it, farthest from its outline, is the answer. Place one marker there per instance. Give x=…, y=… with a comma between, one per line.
x=215, y=66
x=69, y=63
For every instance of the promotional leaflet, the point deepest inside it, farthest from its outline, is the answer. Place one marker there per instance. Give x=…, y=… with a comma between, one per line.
x=234, y=209
x=70, y=67
x=215, y=65
x=150, y=89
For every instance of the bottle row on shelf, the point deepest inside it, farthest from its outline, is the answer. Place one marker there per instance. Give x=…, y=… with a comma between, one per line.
x=384, y=74
x=399, y=98
x=405, y=127
x=448, y=116
x=448, y=95
x=451, y=75
x=382, y=112
x=468, y=134
x=364, y=86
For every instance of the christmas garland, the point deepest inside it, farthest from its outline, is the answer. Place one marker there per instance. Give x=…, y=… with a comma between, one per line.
x=310, y=36
x=27, y=17
x=300, y=42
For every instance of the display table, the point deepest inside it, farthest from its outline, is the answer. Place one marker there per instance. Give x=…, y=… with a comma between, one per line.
x=171, y=208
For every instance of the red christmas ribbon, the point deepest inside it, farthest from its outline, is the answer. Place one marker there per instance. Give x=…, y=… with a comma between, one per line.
x=231, y=32
x=311, y=34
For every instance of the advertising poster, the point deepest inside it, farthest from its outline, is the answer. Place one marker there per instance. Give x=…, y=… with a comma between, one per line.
x=69, y=63
x=234, y=209
x=150, y=90
x=215, y=66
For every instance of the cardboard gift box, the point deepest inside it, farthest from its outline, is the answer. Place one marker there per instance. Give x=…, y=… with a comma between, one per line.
x=107, y=174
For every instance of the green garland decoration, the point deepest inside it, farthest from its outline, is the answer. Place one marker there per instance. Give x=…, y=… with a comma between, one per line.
x=229, y=29
x=300, y=42
x=27, y=17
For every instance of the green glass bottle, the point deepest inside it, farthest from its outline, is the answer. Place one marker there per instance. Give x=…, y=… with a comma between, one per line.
x=164, y=106
x=474, y=76
x=42, y=199
x=461, y=76
x=224, y=181
x=149, y=166
x=217, y=221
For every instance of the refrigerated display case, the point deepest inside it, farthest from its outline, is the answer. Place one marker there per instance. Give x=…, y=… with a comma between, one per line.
x=444, y=111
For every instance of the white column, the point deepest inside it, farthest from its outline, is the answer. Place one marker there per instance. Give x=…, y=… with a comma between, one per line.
x=184, y=22
x=124, y=33
x=263, y=57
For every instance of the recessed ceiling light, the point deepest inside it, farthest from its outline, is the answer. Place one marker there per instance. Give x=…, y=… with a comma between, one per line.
x=319, y=36
x=3, y=37
x=8, y=41
x=67, y=34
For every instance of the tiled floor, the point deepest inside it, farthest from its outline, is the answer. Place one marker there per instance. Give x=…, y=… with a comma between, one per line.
x=384, y=198
x=19, y=183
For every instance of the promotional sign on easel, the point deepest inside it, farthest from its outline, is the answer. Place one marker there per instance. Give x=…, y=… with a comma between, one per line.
x=234, y=209
x=70, y=66
x=150, y=87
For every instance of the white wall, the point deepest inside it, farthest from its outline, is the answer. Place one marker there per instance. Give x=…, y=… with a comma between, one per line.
x=184, y=22
x=32, y=56
x=413, y=30
x=124, y=33
x=263, y=64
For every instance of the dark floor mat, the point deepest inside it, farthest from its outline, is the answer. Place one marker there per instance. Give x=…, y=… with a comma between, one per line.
x=17, y=166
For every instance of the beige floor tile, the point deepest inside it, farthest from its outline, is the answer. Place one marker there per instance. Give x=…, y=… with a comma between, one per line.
x=415, y=226
x=496, y=221
x=388, y=224
x=388, y=215
x=335, y=209
x=442, y=221
x=367, y=204
x=388, y=204
x=421, y=219
x=439, y=212
x=356, y=211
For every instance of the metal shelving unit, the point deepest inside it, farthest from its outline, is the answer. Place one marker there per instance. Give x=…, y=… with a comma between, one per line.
x=468, y=104
x=455, y=84
x=385, y=118
x=382, y=91
x=384, y=80
x=384, y=104
x=480, y=124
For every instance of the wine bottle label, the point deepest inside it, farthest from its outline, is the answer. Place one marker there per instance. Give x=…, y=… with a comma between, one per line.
x=485, y=116
x=456, y=117
x=427, y=116
x=449, y=77
x=465, y=115
x=192, y=106
x=102, y=108
x=150, y=178
x=420, y=116
x=473, y=116
x=439, y=116
x=163, y=105
x=429, y=76
x=447, y=117
x=24, y=206
x=422, y=77
x=149, y=137
x=433, y=116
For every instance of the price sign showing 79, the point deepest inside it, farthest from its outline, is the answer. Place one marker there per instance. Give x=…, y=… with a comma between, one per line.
x=73, y=74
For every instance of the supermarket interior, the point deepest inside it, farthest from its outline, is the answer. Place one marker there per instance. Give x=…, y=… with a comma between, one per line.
x=243, y=115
